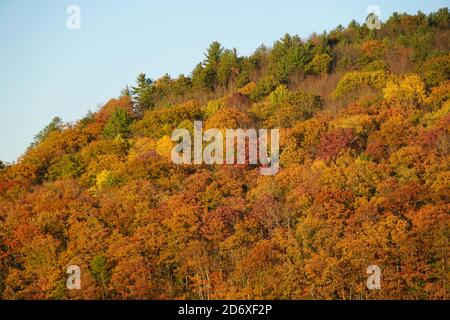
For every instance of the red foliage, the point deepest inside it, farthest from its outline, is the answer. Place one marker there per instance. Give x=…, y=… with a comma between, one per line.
x=108, y=109
x=428, y=139
x=334, y=141
x=376, y=150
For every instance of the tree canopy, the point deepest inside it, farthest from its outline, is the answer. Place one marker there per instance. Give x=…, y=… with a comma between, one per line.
x=364, y=178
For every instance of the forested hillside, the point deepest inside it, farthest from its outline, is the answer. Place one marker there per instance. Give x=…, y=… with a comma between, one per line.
x=364, y=178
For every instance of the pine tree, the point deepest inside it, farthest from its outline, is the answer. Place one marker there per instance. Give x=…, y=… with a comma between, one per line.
x=118, y=124
x=142, y=95
x=213, y=55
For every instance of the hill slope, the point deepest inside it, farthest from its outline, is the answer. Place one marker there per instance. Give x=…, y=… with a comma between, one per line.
x=364, y=179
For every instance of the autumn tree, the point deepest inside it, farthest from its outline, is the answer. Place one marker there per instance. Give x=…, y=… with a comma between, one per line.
x=54, y=125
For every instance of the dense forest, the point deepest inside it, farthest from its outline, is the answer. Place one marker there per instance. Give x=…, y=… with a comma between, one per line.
x=364, y=178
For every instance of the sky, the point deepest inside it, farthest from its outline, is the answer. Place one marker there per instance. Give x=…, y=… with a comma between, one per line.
x=48, y=70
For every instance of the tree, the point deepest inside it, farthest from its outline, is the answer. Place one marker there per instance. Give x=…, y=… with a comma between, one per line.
x=407, y=89
x=54, y=125
x=204, y=76
x=228, y=67
x=101, y=271
x=362, y=181
x=333, y=142
x=118, y=124
x=436, y=70
x=142, y=94
x=351, y=83
x=162, y=121
x=125, y=92
x=320, y=64
x=283, y=108
x=213, y=55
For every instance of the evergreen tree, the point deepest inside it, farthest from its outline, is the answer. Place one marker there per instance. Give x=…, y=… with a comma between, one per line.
x=213, y=55
x=228, y=67
x=142, y=94
x=118, y=124
x=204, y=76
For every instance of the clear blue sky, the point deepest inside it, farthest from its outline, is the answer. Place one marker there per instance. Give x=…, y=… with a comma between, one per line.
x=47, y=70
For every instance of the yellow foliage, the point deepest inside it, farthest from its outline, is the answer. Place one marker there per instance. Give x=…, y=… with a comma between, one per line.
x=362, y=177
x=407, y=88
x=433, y=117
x=247, y=90
x=104, y=179
x=439, y=95
x=361, y=123
x=211, y=107
x=279, y=95
x=141, y=147
x=164, y=146
x=320, y=64
x=352, y=81
x=229, y=118
x=406, y=163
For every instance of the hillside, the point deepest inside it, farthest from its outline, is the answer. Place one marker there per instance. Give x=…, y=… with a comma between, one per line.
x=364, y=178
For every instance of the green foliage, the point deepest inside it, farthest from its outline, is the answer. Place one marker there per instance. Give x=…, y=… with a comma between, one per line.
x=203, y=78
x=219, y=68
x=361, y=182
x=440, y=18
x=436, y=70
x=101, y=271
x=263, y=88
x=205, y=75
x=159, y=122
x=211, y=107
x=422, y=43
x=284, y=108
x=142, y=94
x=377, y=65
x=118, y=124
x=105, y=179
x=228, y=67
x=213, y=55
x=289, y=55
x=320, y=64
x=68, y=166
x=351, y=82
